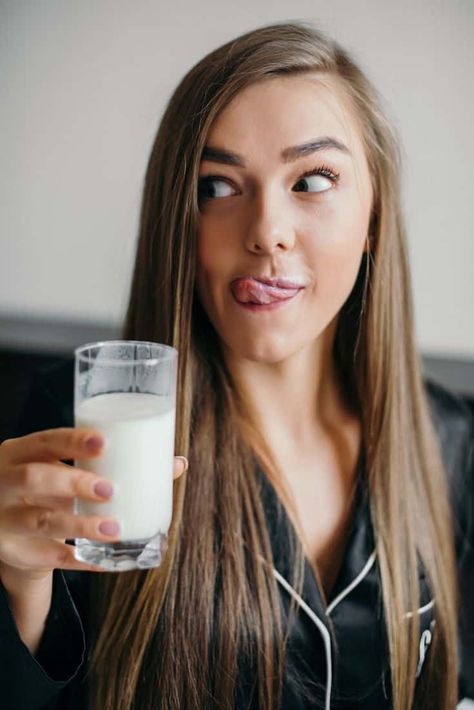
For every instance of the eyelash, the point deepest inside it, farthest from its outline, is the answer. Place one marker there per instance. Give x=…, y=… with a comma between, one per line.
x=322, y=170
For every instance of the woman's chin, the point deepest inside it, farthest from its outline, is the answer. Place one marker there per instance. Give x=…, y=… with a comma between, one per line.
x=263, y=351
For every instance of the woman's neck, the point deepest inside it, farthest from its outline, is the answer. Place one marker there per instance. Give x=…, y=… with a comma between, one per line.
x=296, y=399
x=314, y=441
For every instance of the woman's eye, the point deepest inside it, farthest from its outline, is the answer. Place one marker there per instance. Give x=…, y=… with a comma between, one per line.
x=211, y=188
x=313, y=183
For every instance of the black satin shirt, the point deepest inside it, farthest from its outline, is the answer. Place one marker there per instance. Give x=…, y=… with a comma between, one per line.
x=337, y=654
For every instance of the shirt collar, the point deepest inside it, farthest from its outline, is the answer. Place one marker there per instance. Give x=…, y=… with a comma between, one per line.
x=359, y=547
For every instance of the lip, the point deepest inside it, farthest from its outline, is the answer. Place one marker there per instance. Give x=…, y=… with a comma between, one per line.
x=265, y=306
x=261, y=307
x=282, y=288
x=278, y=281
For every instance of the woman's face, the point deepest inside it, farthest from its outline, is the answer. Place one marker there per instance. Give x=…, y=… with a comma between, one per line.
x=283, y=224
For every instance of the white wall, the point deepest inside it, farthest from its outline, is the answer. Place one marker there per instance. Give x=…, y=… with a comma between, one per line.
x=84, y=84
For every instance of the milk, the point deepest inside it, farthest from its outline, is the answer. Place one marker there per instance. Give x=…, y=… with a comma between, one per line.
x=137, y=457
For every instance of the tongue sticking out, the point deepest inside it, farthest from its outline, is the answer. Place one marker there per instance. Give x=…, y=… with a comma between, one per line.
x=251, y=291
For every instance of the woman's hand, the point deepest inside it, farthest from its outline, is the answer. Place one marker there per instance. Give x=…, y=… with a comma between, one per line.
x=36, y=517
x=36, y=501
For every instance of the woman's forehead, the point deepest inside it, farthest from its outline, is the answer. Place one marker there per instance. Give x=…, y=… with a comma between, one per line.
x=268, y=117
x=288, y=108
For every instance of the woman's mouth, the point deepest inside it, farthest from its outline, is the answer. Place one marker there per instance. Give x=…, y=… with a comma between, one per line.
x=254, y=294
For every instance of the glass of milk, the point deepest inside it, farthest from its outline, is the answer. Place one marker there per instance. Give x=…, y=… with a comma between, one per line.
x=127, y=391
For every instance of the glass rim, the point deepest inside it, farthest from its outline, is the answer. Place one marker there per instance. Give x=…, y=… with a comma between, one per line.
x=79, y=354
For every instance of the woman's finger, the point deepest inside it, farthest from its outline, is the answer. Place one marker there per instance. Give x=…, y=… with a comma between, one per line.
x=66, y=505
x=64, y=443
x=180, y=466
x=35, y=521
x=39, y=554
x=54, y=479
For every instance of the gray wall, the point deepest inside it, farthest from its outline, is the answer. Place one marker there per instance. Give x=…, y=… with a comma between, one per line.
x=83, y=87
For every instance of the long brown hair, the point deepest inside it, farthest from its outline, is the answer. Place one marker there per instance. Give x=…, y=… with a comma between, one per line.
x=171, y=637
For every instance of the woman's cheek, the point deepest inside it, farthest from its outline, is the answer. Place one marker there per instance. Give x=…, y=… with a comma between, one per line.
x=214, y=248
x=337, y=260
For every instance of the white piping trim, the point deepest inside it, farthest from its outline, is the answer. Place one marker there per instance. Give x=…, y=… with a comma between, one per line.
x=353, y=584
x=322, y=629
x=421, y=610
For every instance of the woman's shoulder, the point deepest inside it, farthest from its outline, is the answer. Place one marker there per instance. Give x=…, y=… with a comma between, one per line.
x=454, y=425
x=453, y=420
x=448, y=405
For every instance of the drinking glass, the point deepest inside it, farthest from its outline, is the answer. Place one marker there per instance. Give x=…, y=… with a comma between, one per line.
x=127, y=391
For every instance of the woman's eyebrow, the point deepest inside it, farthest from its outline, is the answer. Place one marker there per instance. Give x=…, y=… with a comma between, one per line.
x=218, y=155
x=323, y=143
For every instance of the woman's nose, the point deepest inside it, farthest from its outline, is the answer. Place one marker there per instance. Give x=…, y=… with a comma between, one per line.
x=269, y=225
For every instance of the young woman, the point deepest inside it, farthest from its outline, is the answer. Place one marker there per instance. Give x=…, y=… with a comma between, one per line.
x=319, y=533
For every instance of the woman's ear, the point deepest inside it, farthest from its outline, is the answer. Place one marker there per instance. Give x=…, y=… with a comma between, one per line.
x=370, y=238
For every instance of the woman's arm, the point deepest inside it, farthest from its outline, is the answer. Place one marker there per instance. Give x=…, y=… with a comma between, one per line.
x=454, y=424
x=30, y=601
x=42, y=640
x=43, y=680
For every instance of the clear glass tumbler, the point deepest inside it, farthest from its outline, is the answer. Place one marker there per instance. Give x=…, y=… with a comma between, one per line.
x=127, y=391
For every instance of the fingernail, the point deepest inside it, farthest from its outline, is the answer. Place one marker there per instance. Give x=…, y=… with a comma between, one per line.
x=104, y=489
x=109, y=527
x=93, y=444
x=185, y=461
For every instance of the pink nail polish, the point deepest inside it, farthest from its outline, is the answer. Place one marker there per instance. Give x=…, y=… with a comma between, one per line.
x=104, y=489
x=94, y=444
x=109, y=527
